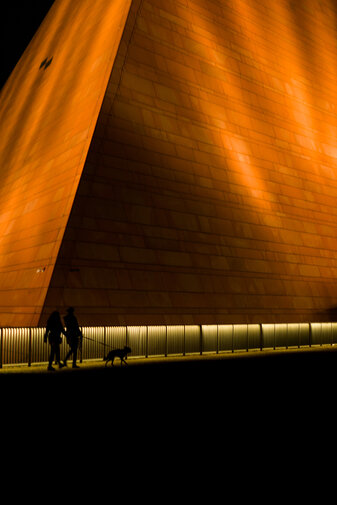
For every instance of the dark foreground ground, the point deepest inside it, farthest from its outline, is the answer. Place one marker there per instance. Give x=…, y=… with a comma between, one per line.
x=255, y=380
x=251, y=422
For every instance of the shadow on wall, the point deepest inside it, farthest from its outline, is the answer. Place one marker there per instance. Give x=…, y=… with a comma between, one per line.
x=331, y=313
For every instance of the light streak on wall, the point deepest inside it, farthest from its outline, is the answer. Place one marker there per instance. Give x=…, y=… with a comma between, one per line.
x=48, y=114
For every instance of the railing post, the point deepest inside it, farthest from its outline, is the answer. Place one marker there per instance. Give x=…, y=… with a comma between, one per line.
x=80, y=347
x=166, y=343
x=310, y=334
x=261, y=337
x=30, y=348
x=287, y=338
x=147, y=343
x=321, y=336
x=332, y=340
x=201, y=337
x=1, y=346
x=184, y=348
x=217, y=339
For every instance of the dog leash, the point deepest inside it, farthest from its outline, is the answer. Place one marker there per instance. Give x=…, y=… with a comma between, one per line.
x=101, y=343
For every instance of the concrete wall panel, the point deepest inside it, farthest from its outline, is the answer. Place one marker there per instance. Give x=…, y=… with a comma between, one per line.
x=209, y=190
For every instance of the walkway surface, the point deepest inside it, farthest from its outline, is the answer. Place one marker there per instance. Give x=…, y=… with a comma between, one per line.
x=264, y=358
x=297, y=373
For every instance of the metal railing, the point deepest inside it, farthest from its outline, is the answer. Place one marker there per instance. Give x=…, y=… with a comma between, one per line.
x=26, y=346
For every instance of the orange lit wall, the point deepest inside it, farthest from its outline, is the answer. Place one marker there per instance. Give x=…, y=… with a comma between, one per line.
x=208, y=190
x=48, y=110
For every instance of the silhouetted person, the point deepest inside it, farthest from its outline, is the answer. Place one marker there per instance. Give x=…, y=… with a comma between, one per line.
x=53, y=332
x=74, y=335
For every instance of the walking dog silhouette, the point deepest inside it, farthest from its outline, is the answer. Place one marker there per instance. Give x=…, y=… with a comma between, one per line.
x=122, y=354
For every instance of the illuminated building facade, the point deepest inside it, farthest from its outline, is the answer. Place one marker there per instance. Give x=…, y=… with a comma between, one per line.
x=172, y=163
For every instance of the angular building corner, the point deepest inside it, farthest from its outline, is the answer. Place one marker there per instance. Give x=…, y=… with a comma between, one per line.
x=172, y=163
x=48, y=111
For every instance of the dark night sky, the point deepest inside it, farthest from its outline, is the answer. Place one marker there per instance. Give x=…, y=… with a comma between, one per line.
x=19, y=21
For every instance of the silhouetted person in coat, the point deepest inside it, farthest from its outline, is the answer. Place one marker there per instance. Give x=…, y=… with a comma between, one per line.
x=74, y=335
x=53, y=332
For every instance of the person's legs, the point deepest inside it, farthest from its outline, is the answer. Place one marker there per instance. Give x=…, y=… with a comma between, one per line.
x=51, y=357
x=57, y=355
x=67, y=356
x=74, y=349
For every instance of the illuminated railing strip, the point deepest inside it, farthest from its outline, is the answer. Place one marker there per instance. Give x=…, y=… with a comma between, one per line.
x=26, y=346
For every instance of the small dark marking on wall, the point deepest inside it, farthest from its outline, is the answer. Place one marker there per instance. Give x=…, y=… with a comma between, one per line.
x=45, y=63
